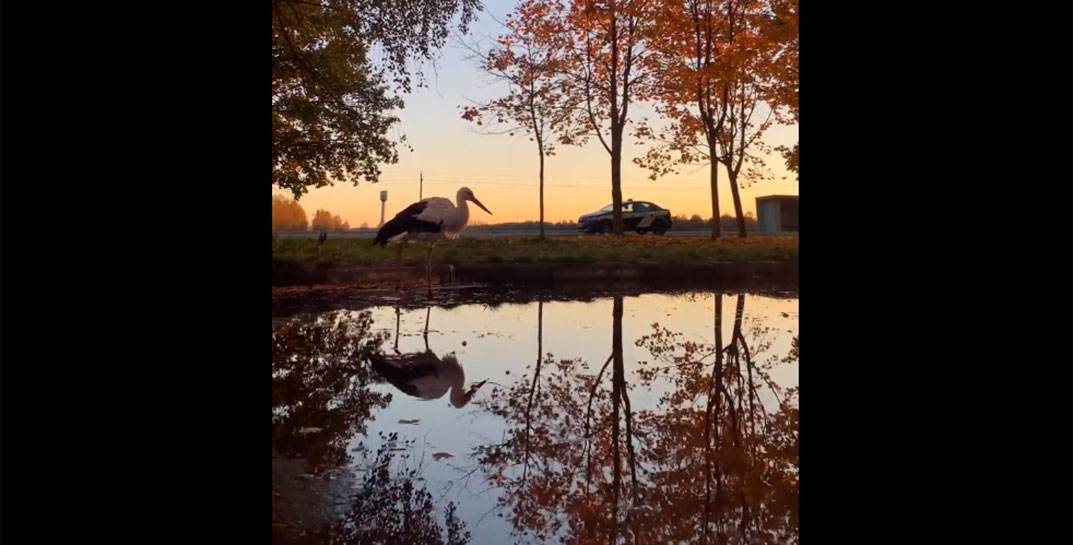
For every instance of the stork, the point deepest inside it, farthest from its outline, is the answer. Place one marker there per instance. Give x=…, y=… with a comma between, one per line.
x=429, y=220
x=425, y=375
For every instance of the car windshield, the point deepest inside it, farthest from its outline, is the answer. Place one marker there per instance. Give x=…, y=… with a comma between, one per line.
x=608, y=208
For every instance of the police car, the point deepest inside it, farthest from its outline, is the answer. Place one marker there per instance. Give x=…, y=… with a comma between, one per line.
x=640, y=216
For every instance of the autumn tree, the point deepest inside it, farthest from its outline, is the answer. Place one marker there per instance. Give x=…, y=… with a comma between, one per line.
x=605, y=73
x=719, y=55
x=287, y=214
x=332, y=103
x=687, y=63
x=324, y=220
x=779, y=30
x=714, y=74
x=528, y=58
x=743, y=94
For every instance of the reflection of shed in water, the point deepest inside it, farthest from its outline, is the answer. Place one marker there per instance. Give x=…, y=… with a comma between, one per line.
x=777, y=213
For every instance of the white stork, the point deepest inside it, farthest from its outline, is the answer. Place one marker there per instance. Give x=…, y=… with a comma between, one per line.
x=429, y=220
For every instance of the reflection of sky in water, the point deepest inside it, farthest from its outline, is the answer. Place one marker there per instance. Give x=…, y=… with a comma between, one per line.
x=504, y=339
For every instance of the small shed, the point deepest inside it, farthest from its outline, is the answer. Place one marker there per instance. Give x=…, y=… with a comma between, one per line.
x=777, y=213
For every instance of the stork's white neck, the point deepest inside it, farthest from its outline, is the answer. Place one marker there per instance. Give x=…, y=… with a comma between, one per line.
x=453, y=374
x=463, y=210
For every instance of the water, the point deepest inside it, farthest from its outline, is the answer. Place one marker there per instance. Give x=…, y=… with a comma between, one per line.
x=425, y=425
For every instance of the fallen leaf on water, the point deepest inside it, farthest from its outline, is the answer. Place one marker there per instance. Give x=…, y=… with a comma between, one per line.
x=305, y=431
x=785, y=315
x=405, y=421
x=442, y=455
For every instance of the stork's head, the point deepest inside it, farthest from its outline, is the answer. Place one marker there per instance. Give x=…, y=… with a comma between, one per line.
x=466, y=194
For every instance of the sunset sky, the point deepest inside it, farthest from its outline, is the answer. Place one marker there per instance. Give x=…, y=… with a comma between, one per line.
x=502, y=170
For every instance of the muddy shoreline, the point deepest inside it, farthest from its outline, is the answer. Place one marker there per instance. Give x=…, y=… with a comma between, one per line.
x=308, y=289
x=288, y=273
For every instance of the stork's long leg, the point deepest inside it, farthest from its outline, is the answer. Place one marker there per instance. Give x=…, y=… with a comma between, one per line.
x=428, y=312
x=428, y=267
x=397, y=317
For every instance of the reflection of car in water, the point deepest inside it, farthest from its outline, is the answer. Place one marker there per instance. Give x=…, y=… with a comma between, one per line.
x=425, y=375
x=640, y=216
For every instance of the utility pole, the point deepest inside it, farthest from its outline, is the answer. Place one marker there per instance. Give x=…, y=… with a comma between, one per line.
x=421, y=188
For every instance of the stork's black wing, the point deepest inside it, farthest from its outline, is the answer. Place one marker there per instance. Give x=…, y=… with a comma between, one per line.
x=406, y=222
x=403, y=370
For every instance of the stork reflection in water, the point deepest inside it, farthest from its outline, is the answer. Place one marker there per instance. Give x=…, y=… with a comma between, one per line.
x=425, y=375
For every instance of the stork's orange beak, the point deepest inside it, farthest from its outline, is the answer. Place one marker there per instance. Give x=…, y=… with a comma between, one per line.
x=478, y=203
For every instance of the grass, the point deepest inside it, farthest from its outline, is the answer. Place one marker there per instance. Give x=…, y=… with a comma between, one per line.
x=561, y=249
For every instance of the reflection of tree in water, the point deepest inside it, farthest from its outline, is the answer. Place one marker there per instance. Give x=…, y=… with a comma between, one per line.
x=391, y=509
x=729, y=466
x=320, y=399
x=320, y=375
x=710, y=465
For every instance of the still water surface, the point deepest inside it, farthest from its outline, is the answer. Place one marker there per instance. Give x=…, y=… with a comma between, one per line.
x=650, y=419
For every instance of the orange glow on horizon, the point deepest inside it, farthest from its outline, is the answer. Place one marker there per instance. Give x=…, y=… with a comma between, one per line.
x=577, y=181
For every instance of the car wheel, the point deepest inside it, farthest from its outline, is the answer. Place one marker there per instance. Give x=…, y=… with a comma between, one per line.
x=660, y=229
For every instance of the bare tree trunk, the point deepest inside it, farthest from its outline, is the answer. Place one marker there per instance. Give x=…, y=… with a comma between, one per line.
x=717, y=229
x=732, y=173
x=616, y=128
x=737, y=202
x=616, y=183
x=541, y=145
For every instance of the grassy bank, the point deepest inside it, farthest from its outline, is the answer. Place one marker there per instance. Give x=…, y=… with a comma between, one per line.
x=568, y=249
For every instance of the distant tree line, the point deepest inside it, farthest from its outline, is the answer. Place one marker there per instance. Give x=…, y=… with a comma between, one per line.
x=288, y=215
x=524, y=225
x=324, y=220
x=680, y=223
x=727, y=222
